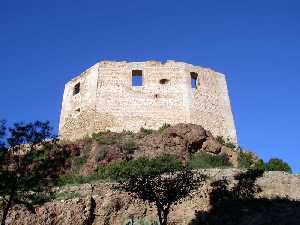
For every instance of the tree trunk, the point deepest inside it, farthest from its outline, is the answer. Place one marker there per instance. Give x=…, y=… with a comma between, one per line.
x=6, y=209
x=165, y=216
x=159, y=212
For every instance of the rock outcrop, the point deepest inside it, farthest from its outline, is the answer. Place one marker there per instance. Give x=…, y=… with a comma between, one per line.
x=104, y=206
x=180, y=140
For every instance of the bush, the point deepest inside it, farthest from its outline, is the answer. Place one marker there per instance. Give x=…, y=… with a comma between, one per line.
x=260, y=165
x=128, y=147
x=221, y=140
x=206, y=160
x=105, y=138
x=146, y=131
x=245, y=159
x=70, y=179
x=227, y=142
x=277, y=165
x=163, y=128
x=140, y=167
x=75, y=179
x=77, y=162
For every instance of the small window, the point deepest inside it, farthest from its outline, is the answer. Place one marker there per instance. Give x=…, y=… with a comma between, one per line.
x=76, y=89
x=77, y=110
x=137, y=78
x=164, y=81
x=194, y=80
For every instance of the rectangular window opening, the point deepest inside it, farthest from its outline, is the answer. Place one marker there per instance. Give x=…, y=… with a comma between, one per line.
x=137, y=78
x=76, y=89
x=194, y=77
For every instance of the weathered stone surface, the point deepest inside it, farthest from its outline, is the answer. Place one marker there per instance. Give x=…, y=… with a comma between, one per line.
x=211, y=145
x=182, y=140
x=73, y=212
x=107, y=99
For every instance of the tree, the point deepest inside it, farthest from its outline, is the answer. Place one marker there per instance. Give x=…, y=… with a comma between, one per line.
x=22, y=180
x=277, y=165
x=163, y=190
x=2, y=144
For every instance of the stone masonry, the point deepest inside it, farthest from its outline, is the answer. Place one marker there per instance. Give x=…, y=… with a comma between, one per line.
x=104, y=98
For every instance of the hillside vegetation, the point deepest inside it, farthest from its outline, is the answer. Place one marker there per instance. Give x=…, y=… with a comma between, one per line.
x=115, y=156
x=37, y=169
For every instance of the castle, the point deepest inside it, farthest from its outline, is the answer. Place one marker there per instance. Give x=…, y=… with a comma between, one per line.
x=124, y=95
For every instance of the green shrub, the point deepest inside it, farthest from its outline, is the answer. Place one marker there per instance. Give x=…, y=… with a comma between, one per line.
x=277, y=165
x=140, y=167
x=146, y=131
x=221, y=140
x=105, y=138
x=87, y=149
x=70, y=179
x=260, y=165
x=163, y=128
x=128, y=147
x=41, y=154
x=75, y=179
x=227, y=142
x=245, y=159
x=206, y=160
x=78, y=161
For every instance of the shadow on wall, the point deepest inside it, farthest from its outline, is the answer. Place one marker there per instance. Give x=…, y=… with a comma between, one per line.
x=238, y=205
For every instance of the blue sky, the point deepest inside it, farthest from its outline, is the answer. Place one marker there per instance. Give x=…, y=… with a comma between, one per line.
x=43, y=44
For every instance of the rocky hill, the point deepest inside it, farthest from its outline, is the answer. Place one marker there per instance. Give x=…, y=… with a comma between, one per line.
x=181, y=140
x=85, y=173
x=81, y=206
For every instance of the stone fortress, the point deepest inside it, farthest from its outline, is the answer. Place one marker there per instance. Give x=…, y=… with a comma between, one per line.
x=119, y=96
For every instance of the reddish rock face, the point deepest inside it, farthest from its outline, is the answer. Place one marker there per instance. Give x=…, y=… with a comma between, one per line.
x=108, y=207
x=180, y=140
x=212, y=146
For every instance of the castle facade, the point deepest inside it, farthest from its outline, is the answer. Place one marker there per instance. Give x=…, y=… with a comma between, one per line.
x=123, y=95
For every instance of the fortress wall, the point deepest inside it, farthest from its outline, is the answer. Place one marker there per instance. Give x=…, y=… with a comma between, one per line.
x=121, y=106
x=76, y=124
x=108, y=101
x=211, y=105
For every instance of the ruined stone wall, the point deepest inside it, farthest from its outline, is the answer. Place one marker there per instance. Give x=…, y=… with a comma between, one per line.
x=108, y=101
x=210, y=103
x=78, y=111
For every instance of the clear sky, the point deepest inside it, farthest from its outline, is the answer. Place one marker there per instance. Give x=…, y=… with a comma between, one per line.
x=43, y=44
